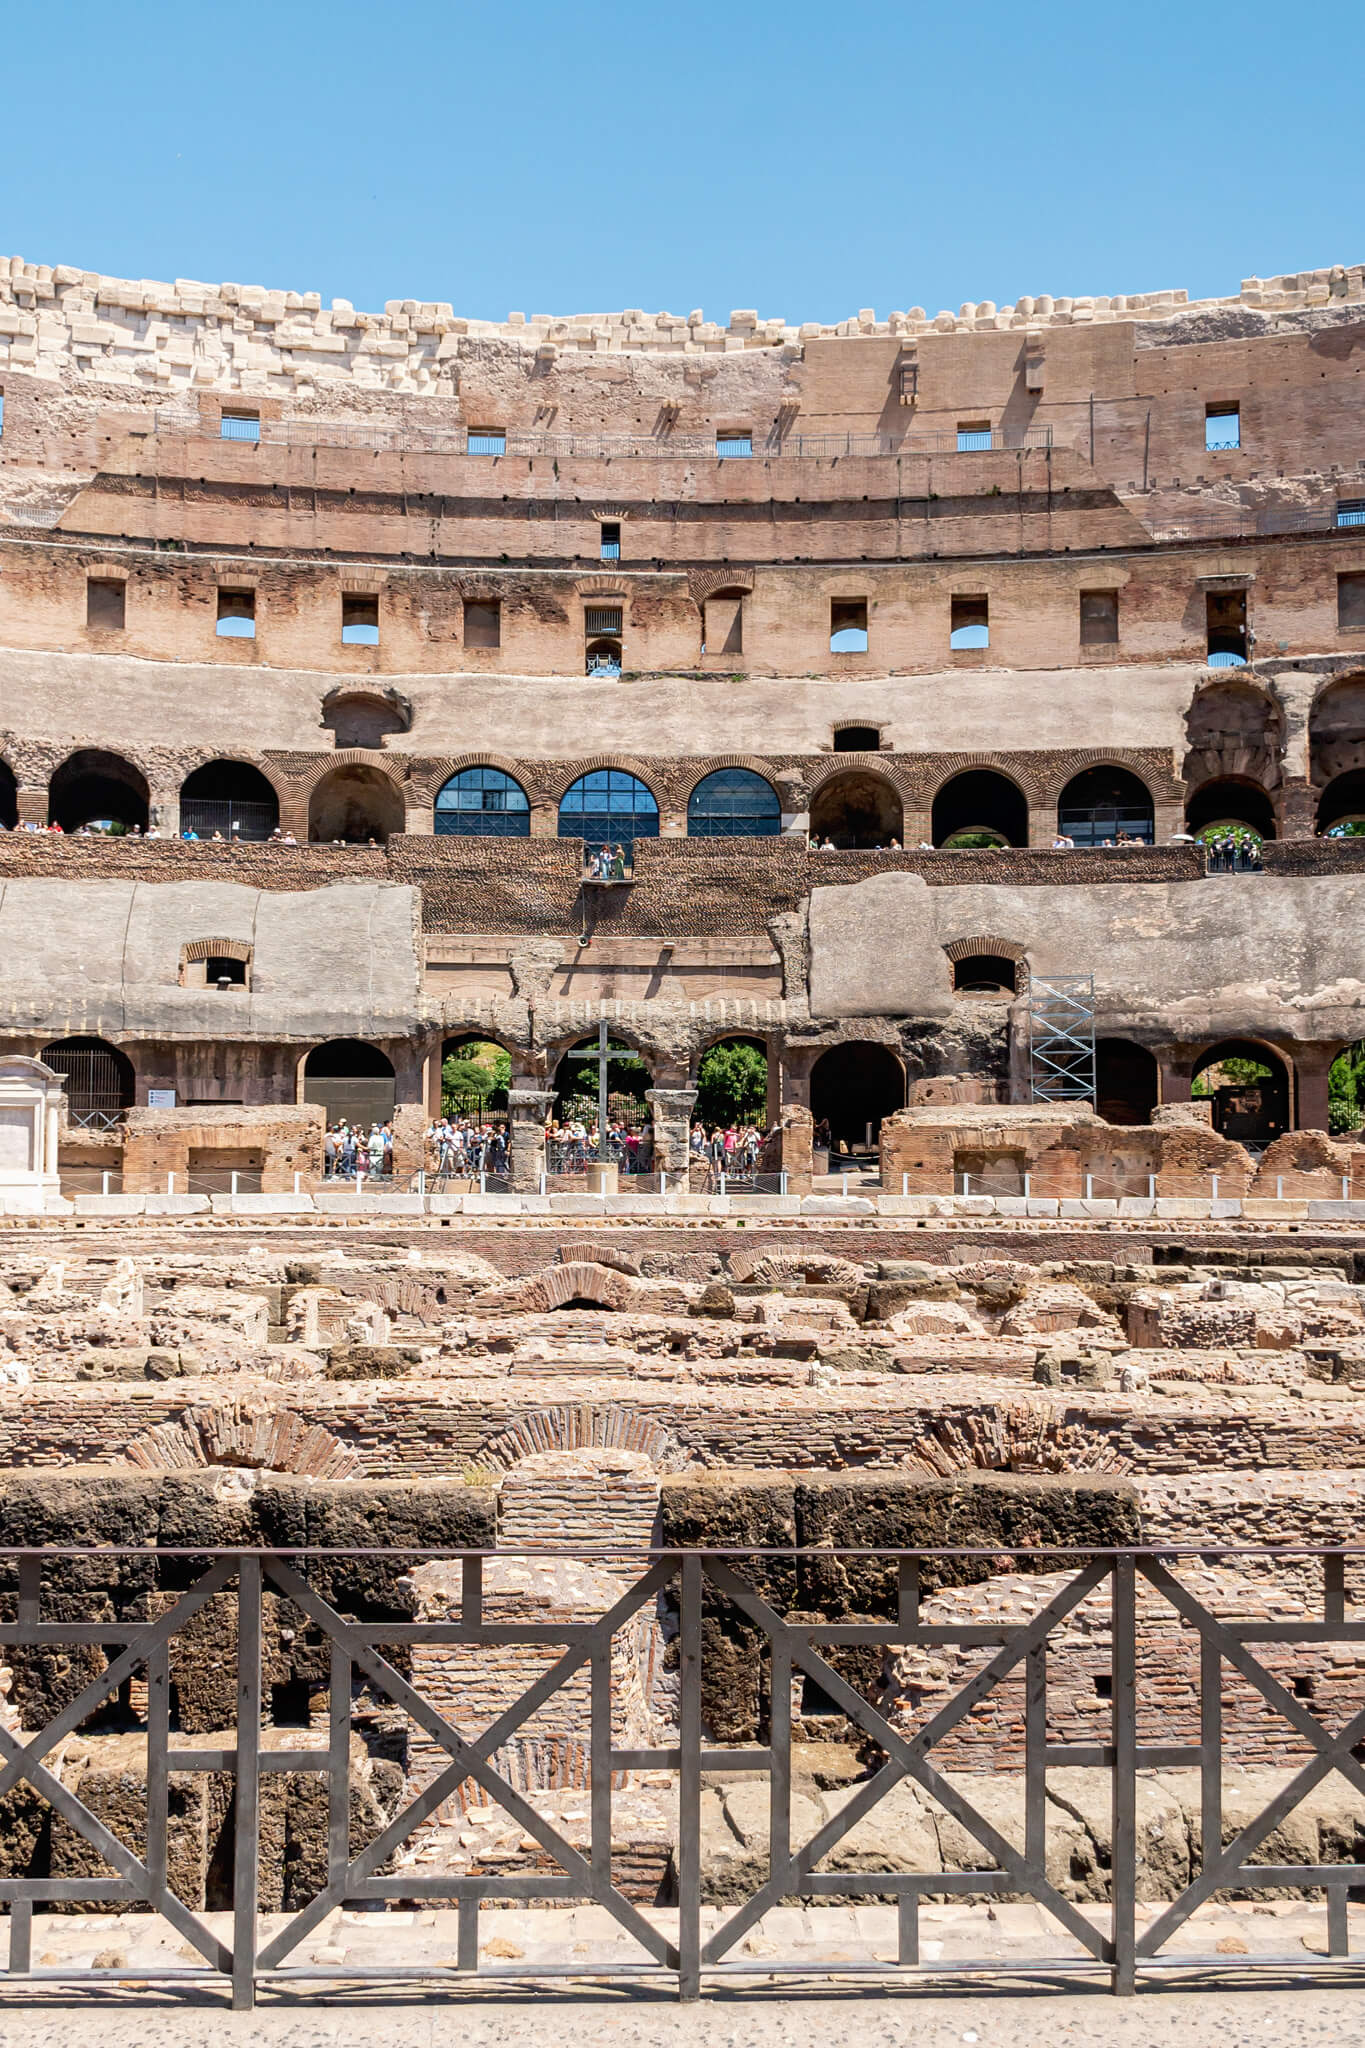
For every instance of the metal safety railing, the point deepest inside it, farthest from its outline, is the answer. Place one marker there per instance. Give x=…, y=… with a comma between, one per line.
x=1143, y=1614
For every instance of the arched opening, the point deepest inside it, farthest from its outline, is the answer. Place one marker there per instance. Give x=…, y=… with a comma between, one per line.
x=852, y=1087
x=483, y=803
x=95, y=788
x=1126, y=1085
x=1103, y=806
x=608, y=807
x=1341, y=808
x=9, y=797
x=364, y=718
x=353, y=1081
x=476, y=1074
x=100, y=1083
x=230, y=798
x=733, y=803
x=1336, y=743
x=980, y=807
x=985, y=974
x=1346, y=1090
x=355, y=804
x=857, y=739
x=1249, y=1085
x=857, y=808
x=603, y=657
x=576, y=1086
x=1230, y=801
x=732, y=1084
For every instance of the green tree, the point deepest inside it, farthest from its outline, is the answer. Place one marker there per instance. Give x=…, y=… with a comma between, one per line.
x=476, y=1068
x=1346, y=1090
x=732, y=1084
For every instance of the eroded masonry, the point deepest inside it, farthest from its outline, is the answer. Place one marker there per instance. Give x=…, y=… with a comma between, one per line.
x=959, y=721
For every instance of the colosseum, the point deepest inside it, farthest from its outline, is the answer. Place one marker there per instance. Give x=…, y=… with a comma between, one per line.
x=438, y=759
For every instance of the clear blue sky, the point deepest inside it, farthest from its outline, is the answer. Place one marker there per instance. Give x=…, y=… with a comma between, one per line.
x=804, y=159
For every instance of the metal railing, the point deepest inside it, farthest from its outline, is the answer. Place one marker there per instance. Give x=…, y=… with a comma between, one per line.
x=1148, y=1612
x=1230, y=1185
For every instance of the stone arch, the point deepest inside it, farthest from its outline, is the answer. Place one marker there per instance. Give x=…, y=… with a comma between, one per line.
x=857, y=805
x=251, y=1439
x=626, y=764
x=1016, y=1436
x=988, y=945
x=365, y=714
x=1234, y=730
x=704, y=583
x=198, y=951
x=1256, y=1112
x=581, y=1427
x=734, y=802
x=1231, y=799
x=1103, y=800
x=1336, y=730
x=560, y=1285
x=987, y=800
x=91, y=784
x=354, y=800
x=233, y=797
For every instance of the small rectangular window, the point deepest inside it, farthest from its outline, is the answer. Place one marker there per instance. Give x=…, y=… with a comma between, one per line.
x=970, y=624
x=973, y=434
x=732, y=447
x=240, y=426
x=237, y=615
x=1351, y=511
x=1351, y=599
x=1099, y=618
x=104, y=603
x=1222, y=427
x=1226, y=614
x=359, y=620
x=611, y=540
x=486, y=441
x=482, y=622
x=724, y=632
x=848, y=625
x=602, y=619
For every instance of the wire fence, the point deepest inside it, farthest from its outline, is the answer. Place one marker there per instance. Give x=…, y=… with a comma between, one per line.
x=1102, y=1185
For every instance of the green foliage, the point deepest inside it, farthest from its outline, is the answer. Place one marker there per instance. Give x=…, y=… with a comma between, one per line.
x=477, y=1068
x=732, y=1085
x=1241, y=835
x=1349, y=828
x=973, y=837
x=1233, y=1073
x=1346, y=1091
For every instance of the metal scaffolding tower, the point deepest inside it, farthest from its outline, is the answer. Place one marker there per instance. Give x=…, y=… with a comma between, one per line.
x=1061, y=1038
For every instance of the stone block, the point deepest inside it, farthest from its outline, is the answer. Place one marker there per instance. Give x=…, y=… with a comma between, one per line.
x=1225, y=1207
x=1137, y=1205
x=1262, y=1209
x=1010, y=1205
x=262, y=1205
x=1041, y=1205
x=909, y=1205
x=175, y=1205
x=1182, y=1208
x=109, y=1205
x=838, y=1205
x=446, y=1205
x=1336, y=1212
x=579, y=1205
x=330, y=1204
x=499, y=1205
x=638, y=1205
x=765, y=1205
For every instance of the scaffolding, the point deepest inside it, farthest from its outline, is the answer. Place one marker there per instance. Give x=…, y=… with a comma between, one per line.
x=1061, y=1039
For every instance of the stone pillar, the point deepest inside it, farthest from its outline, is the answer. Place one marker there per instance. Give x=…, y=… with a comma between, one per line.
x=1312, y=1064
x=163, y=811
x=1175, y=1070
x=1298, y=809
x=31, y=805
x=919, y=826
x=419, y=820
x=527, y=1110
x=793, y=1066
x=544, y=821
x=1167, y=820
x=673, y=1109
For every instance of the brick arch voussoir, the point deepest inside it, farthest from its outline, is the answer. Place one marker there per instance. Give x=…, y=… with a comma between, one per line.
x=626, y=764
x=893, y=773
x=257, y=1439
x=349, y=757
x=1158, y=778
x=1029, y=784
x=582, y=1428
x=689, y=783
x=704, y=583
x=215, y=949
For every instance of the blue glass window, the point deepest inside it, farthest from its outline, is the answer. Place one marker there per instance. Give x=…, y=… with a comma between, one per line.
x=608, y=807
x=733, y=803
x=483, y=803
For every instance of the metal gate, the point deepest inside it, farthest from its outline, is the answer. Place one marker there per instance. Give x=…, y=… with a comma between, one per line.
x=97, y=1089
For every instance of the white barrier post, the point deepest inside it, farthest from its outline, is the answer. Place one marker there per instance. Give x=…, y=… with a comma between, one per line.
x=905, y=1183
x=105, y=1187
x=1028, y=1183
x=359, y=1181
x=298, y=1177
x=722, y=1182
x=1090, y=1187
x=1151, y=1187
x=1279, y=1187
x=1345, y=1187
x=542, y=1181
x=170, y=1183
x=234, y=1180
x=782, y=1183
x=483, y=1182
x=1214, y=1178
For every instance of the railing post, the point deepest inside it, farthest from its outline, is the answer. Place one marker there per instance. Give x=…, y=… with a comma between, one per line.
x=1346, y=1187
x=104, y=1182
x=543, y=1180
x=1151, y=1187
x=843, y=1180
x=246, y=1819
x=422, y=1182
x=905, y=1183
x=483, y=1182
x=298, y=1183
x=170, y=1183
x=689, y=1780
x=1279, y=1187
x=234, y=1180
x=1214, y=1178
x=1028, y=1183
x=1123, y=1665
x=1090, y=1187
x=782, y=1183
x=722, y=1180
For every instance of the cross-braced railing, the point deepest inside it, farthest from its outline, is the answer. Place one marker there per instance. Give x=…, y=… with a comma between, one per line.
x=1142, y=1618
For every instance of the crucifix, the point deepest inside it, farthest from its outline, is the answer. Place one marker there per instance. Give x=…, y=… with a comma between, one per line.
x=602, y=1058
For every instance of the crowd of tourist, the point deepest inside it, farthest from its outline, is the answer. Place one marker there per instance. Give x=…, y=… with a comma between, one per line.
x=350, y=1152
x=606, y=864
x=731, y=1149
x=466, y=1145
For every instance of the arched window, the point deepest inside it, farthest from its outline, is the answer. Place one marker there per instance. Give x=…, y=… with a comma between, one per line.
x=1101, y=803
x=980, y=807
x=483, y=803
x=733, y=803
x=1230, y=801
x=608, y=807
x=351, y=1079
x=355, y=804
x=856, y=809
x=1249, y=1084
x=231, y=798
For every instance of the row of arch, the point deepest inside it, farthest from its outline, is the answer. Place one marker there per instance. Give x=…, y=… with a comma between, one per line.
x=853, y=1086
x=858, y=807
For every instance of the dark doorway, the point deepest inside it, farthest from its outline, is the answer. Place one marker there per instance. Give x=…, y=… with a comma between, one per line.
x=980, y=808
x=352, y=1080
x=9, y=799
x=230, y=798
x=1341, y=809
x=355, y=804
x=856, y=809
x=1126, y=1086
x=1098, y=805
x=852, y=1087
x=1229, y=801
x=1249, y=1085
x=95, y=788
x=100, y=1084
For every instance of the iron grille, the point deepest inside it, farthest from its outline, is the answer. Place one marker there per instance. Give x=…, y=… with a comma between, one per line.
x=96, y=1090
